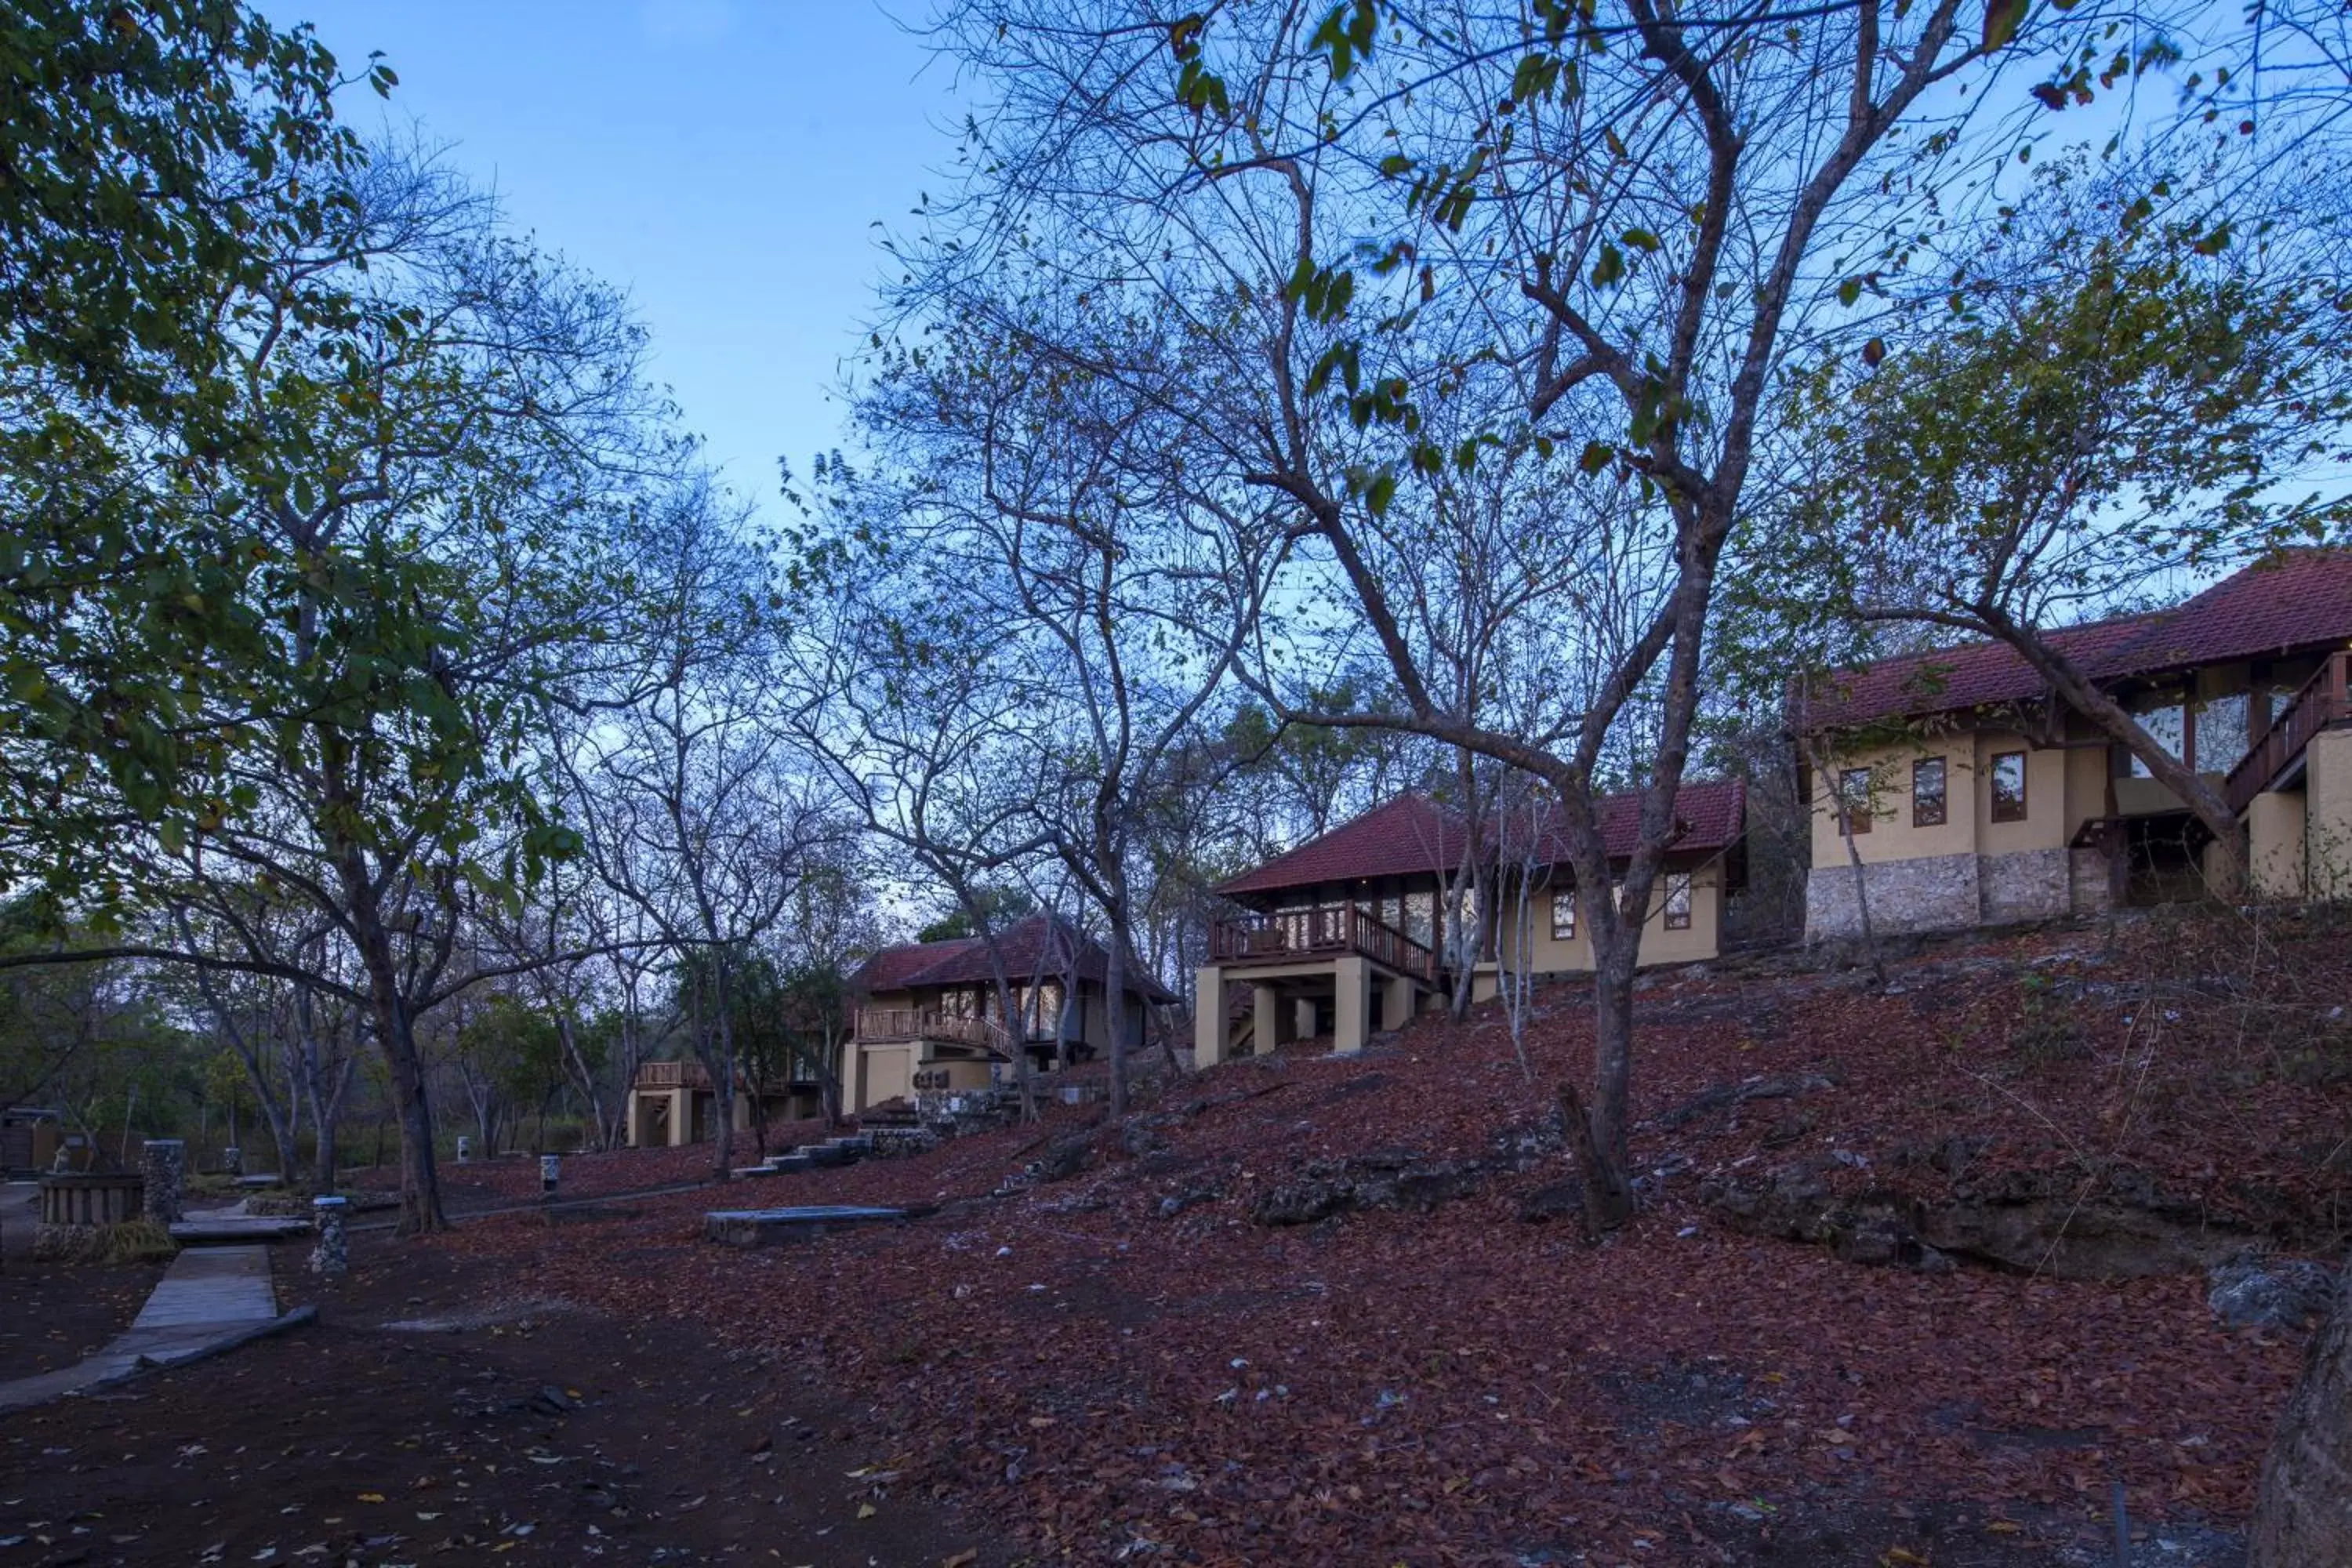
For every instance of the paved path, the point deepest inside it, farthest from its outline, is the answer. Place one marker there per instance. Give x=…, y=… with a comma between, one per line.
x=211, y=1300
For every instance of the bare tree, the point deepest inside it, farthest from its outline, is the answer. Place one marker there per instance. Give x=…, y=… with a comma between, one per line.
x=1607, y=232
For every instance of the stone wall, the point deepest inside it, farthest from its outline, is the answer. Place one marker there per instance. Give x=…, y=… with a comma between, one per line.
x=2029, y=885
x=2095, y=889
x=1935, y=892
x=1953, y=892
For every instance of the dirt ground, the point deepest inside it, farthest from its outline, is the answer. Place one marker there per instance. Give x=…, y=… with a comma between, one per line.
x=411, y=1425
x=51, y=1316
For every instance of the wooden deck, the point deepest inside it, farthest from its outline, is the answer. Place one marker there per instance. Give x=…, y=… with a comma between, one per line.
x=1323, y=930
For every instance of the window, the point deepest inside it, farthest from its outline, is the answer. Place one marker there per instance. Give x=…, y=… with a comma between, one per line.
x=2220, y=734
x=2166, y=726
x=2009, y=786
x=1927, y=793
x=1678, y=901
x=1563, y=916
x=1854, y=794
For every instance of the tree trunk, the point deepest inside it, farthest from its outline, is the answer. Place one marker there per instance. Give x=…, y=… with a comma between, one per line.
x=1602, y=1148
x=2080, y=694
x=1115, y=1015
x=1845, y=817
x=2302, y=1514
x=722, y=1072
x=420, y=1181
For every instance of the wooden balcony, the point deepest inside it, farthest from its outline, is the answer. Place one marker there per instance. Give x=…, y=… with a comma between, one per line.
x=2322, y=702
x=882, y=1024
x=658, y=1076
x=1330, y=930
x=672, y=1075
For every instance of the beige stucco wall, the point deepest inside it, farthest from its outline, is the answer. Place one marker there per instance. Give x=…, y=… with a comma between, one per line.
x=2274, y=843
x=1550, y=954
x=1892, y=837
x=888, y=1074
x=2327, y=819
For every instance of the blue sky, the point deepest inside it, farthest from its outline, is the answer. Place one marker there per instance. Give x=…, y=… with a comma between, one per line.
x=723, y=160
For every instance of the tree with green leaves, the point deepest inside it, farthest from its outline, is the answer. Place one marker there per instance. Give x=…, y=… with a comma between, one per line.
x=160, y=162
x=420, y=565
x=2142, y=397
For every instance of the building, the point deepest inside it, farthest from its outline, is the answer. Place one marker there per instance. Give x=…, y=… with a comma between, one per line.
x=674, y=1102
x=929, y=1018
x=1977, y=797
x=1346, y=934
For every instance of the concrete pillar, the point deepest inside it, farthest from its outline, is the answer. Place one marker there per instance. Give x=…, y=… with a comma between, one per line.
x=681, y=1117
x=1351, y=1017
x=2274, y=845
x=1265, y=1018
x=165, y=1166
x=332, y=1253
x=1208, y=1016
x=2327, y=814
x=1396, y=1001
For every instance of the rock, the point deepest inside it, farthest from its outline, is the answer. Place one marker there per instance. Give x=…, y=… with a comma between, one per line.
x=2251, y=1291
x=1302, y=1203
x=1177, y=1203
x=2045, y=1222
x=1383, y=1179
x=1141, y=1135
x=1730, y=1096
x=1554, y=1200
x=1062, y=1158
x=1789, y=1129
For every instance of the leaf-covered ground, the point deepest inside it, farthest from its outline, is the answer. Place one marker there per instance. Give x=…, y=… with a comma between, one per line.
x=1123, y=1363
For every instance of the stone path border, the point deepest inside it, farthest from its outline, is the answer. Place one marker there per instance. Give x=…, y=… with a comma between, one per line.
x=212, y=1299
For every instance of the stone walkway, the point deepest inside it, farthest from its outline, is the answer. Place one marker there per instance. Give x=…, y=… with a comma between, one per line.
x=212, y=1299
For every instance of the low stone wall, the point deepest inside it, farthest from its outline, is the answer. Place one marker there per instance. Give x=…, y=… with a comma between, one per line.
x=1953, y=892
x=2028, y=885
x=1935, y=892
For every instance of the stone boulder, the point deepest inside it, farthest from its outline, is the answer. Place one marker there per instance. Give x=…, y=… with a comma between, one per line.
x=1393, y=1178
x=2251, y=1291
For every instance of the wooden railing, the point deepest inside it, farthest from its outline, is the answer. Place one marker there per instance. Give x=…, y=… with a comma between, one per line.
x=1311, y=932
x=694, y=1075
x=672, y=1075
x=927, y=1023
x=2324, y=701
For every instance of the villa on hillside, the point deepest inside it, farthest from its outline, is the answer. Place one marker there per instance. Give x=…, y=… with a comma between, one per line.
x=674, y=1102
x=1345, y=935
x=929, y=1017
x=1978, y=797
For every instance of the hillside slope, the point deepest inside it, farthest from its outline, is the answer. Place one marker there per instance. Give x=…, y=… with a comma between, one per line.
x=1308, y=1310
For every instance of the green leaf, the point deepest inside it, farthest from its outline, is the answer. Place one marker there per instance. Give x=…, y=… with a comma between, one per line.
x=1610, y=268
x=1597, y=456
x=2001, y=20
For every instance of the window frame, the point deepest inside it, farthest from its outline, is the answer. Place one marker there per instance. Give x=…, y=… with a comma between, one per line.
x=1565, y=898
x=1857, y=813
x=1679, y=883
x=1943, y=808
x=1995, y=809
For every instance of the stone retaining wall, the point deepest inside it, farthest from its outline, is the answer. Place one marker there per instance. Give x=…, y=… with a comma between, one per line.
x=1953, y=892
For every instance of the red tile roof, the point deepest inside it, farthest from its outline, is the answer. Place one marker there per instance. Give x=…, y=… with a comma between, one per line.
x=1415, y=835
x=2299, y=602
x=1038, y=945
